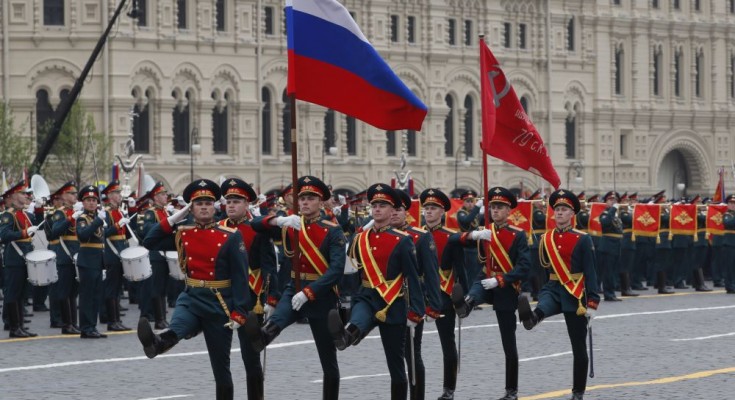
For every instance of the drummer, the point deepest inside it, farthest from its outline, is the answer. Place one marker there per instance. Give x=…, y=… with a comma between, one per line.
x=17, y=227
x=63, y=241
x=116, y=238
x=153, y=290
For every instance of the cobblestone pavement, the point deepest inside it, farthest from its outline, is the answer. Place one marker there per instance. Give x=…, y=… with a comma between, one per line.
x=678, y=346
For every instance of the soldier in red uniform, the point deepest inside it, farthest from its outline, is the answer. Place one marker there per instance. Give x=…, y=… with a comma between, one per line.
x=262, y=280
x=216, y=298
x=571, y=287
x=116, y=240
x=322, y=262
x=499, y=281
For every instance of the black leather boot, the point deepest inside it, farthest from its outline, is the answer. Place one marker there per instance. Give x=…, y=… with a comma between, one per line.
x=255, y=388
x=66, y=319
x=447, y=394
x=525, y=314
x=510, y=394
x=699, y=284
x=74, y=312
x=114, y=324
x=159, y=311
x=463, y=307
x=21, y=321
x=343, y=336
x=225, y=392
x=661, y=283
x=458, y=300
x=577, y=396
x=260, y=337
x=154, y=344
x=14, y=322
x=398, y=391
x=625, y=289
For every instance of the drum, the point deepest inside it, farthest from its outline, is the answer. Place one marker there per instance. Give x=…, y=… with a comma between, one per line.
x=172, y=258
x=41, y=266
x=136, y=264
x=349, y=266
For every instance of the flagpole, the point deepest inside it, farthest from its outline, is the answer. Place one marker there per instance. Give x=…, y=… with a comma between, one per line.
x=485, y=187
x=295, y=265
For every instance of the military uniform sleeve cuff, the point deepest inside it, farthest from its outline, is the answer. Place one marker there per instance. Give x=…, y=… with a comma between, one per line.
x=592, y=304
x=432, y=313
x=167, y=227
x=267, y=220
x=309, y=293
x=415, y=317
x=271, y=301
x=501, y=280
x=463, y=238
x=24, y=234
x=237, y=317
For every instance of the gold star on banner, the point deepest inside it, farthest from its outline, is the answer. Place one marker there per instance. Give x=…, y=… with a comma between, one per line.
x=717, y=218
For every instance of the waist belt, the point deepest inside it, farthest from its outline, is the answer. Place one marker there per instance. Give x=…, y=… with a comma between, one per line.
x=554, y=277
x=69, y=237
x=92, y=245
x=26, y=240
x=614, y=235
x=539, y=230
x=306, y=276
x=208, y=284
x=629, y=230
x=117, y=237
x=278, y=242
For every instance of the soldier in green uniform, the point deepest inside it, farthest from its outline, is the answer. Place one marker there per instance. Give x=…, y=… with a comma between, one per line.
x=570, y=290
x=627, y=246
x=608, y=249
x=728, y=244
x=700, y=247
x=469, y=218
x=90, y=260
x=153, y=290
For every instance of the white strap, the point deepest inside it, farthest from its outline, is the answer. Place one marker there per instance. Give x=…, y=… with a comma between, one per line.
x=114, y=250
x=66, y=249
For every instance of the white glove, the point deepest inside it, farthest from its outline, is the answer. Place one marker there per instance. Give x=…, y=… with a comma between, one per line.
x=255, y=211
x=268, y=311
x=38, y=203
x=261, y=198
x=489, y=283
x=181, y=201
x=178, y=215
x=77, y=214
x=101, y=214
x=368, y=225
x=131, y=202
x=342, y=199
x=170, y=209
x=410, y=324
x=484, y=234
x=78, y=206
x=123, y=221
x=590, y=314
x=337, y=211
x=104, y=274
x=30, y=209
x=217, y=204
x=298, y=301
x=232, y=325
x=479, y=202
x=31, y=230
x=482, y=210
x=292, y=221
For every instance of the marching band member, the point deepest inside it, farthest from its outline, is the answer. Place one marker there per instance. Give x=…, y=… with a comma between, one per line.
x=63, y=241
x=608, y=249
x=90, y=260
x=152, y=293
x=17, y=227
x=262, y=280
x=116, y=238
x=728, y=244
x=216, y=298
x=571, y=287
x=322, y=262
x=391, y=296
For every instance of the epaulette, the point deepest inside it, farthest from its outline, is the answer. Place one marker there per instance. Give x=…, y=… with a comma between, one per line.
x=450, y=230
x=579, y=232
x=328, y=222
x=515, y=228
x=226, y=228
x=400, y=232
x=415, y=229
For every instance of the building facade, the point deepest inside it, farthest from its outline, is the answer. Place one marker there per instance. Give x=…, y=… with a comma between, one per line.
x=635, y=95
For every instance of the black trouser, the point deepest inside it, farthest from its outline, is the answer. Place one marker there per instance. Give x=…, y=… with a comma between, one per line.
x=663, y=263
x=507, y=326
x=445, y=327
x=417, y=391
x=577, y=330
x=608, y=269
x=393, y=339
x=644, y=265
x=681, y=268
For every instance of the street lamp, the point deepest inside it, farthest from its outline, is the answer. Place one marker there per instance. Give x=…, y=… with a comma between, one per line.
x=677, y=184
x=578, y=168
x=195, y=148
x=465, y=163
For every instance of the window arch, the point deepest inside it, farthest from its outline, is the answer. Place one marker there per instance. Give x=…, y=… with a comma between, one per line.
x=286, y=118
x=618, y=67
x=570, y=34
x=469, y=126
x=570, y=127
x=182, y=122
x=524, y=103
x=699, y=73
x=678, y=71
x=657, y=71
x=44, y=116
x=221, y=122
x=266, y=124
x=351, y=136
x=449, y=127
x=330, y=132
x=141, y=123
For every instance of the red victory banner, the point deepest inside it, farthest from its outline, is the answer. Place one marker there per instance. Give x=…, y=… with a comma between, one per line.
x=683, y=219
x=594, y=227
x=715, y=215
x=507, y=131
x=646, y=219
x=451, y=216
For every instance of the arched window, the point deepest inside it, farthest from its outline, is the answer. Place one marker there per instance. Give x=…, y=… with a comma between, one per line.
x=330, y=133
x=524, y=104
x=678, y=72
x=53, y=12
x=181, y=14
x=141, y=123
x=619, y=54
x=182, y=124
x=220, y=17
x=220, y=124
x=699, y=73
x=390, y=147
x=286, y=118
x=44, y=116
x=449, y=128
x=469, y=126
x=570, y=34
x=570, y=125
x=657, y=71
x=411, y=144
x=351, y=136
x=266, y=124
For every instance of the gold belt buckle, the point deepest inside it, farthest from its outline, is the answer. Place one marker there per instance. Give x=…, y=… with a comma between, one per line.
x=303, y=276
x=202, y=283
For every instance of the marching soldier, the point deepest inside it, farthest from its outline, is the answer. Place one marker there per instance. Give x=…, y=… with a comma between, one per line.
x=90, y=260
x=322, y=262
x=663, y=248
x=284, y=272
x=608, y=250
x=570, y=290
x=17, y=227
x=153, y=290
x=700, y=247
x=469, y=217
x=262, y=280
x=499, y=282
x=428, y=270
x=728, y=243
x=63, y=241
x=216, y=298
x=391, y=297
x=627, y=246
x=537, y=274
x=450, y=253
x=116, y=239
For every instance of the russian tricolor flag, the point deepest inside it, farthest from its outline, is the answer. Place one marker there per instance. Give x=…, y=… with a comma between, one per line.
x=331, y=63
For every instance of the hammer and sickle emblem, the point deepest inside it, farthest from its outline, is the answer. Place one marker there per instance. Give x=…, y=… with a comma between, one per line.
x=497, y=97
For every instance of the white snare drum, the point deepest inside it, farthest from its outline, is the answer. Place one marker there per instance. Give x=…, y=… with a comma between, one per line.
x=136, y=264
x=41, y=266
x=349, y=267
x=174, y=270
